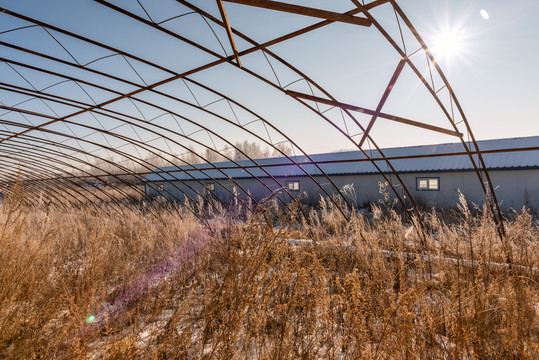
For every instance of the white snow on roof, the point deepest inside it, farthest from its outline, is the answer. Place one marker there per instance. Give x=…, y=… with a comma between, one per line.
x=342, y=163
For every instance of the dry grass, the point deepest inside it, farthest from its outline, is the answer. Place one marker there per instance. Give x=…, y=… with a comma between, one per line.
x=82, y=284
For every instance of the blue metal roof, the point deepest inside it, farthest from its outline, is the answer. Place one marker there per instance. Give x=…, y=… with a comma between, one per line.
x=342, y=163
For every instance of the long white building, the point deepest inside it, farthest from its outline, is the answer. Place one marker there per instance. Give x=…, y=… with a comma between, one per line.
x=433, y=174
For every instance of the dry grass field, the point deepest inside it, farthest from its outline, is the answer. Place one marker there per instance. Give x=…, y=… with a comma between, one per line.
x=91, y=283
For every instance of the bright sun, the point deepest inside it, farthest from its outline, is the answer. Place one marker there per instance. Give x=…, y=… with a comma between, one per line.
x=447, y=44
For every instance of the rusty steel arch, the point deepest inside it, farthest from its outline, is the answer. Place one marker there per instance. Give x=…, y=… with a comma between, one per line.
x=55, y=150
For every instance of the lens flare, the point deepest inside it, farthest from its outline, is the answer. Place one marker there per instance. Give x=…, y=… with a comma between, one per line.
x=90, y=318
x=484, y=14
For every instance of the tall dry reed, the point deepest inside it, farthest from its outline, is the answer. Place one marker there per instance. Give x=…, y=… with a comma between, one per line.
x=128, y=284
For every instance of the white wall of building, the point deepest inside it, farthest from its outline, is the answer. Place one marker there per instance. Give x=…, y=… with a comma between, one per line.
x=514, y=188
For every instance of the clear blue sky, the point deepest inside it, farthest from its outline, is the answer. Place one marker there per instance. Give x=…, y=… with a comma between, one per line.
x=494, y=74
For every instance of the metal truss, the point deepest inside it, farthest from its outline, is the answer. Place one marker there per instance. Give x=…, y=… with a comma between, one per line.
x=123, y=112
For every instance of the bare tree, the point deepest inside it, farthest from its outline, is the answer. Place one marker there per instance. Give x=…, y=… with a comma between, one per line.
x=281, y=148
x=247, y=149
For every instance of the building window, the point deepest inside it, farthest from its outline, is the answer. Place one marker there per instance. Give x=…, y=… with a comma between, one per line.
x=428, y=184
x=210, y=186
x=292, y=185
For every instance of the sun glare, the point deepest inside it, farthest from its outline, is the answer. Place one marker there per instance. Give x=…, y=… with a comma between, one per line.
x=447, y=44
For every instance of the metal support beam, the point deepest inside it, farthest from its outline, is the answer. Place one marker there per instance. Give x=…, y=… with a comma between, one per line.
x=372, y=112
x=303, y=10
x=228, y=30
x=392, y=82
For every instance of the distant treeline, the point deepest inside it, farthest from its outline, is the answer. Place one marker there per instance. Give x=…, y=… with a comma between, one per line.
x=132, y=171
